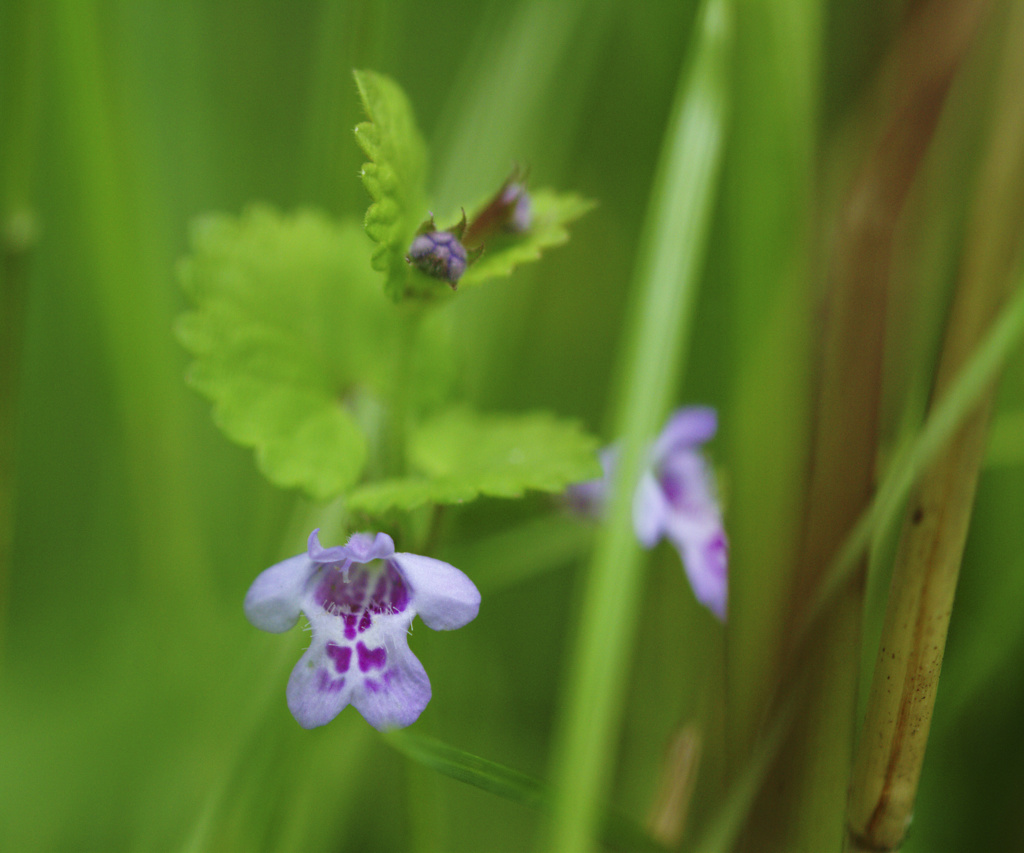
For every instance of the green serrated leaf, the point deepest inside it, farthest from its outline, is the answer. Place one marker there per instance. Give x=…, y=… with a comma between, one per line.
x=290, y=334
x=459, y=455
x=395, y=176
x=551, y=212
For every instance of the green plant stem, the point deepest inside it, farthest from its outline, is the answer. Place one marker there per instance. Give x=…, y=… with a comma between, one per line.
x=905, y=681
x=772, y=329
x=398, y=414
x=805, y=809
x=906, y=675
x=947, y=416
x=659, y=331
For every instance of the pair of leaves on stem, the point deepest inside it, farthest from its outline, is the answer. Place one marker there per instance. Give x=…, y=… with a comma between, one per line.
x=295, y=344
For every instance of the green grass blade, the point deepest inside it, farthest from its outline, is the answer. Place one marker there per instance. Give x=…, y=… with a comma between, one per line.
x=472, y=769
x=617, y=831
x=658, y=333
x=768, y=265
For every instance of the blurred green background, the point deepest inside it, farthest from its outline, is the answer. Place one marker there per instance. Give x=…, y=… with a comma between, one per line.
x=138, y=709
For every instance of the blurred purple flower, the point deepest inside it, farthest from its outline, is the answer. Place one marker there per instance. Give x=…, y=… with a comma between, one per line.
x=360, y=599
x=518, y=199
x=675, y=499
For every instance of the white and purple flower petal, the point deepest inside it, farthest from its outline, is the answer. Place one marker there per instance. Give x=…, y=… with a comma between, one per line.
x=445, y=598
x=273, y=602
x=652, y=513
x=320, y=684
x=706, y=560
x=360, y=599
x=686, y=428
x=392, y=695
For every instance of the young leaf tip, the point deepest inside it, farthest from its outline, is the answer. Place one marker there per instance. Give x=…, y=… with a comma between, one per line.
x=394, y=176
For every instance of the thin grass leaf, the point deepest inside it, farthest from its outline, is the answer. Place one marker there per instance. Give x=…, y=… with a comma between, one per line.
x=948, y=416
x=618, y=831
x=657, y=333
x=472, y=769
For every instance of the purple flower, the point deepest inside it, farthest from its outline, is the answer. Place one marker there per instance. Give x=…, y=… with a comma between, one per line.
x=675, y=500
x=360, y=599
x=439, y=254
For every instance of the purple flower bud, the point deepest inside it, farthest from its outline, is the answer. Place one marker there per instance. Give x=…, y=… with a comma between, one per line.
x=508, y=212
x=438, y=254
x=520, y=215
